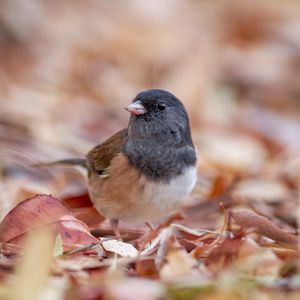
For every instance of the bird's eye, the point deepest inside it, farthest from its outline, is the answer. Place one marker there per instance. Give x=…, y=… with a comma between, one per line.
x=161, y=106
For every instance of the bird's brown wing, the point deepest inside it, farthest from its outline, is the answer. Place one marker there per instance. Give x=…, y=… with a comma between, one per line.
x=99, y=158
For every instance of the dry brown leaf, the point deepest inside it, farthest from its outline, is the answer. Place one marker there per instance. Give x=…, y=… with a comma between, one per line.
x=224, y=253
x=263, y=226
x=63, y=86
x=235, y=152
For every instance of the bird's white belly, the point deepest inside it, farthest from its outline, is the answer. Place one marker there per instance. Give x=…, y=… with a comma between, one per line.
x=160, y=199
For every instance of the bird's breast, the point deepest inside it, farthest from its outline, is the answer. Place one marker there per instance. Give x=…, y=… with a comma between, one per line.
x=128, y=195
x=161, y=198
x=176, y=188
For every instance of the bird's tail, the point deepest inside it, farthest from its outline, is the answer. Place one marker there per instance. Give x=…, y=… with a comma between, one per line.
x=69, y=161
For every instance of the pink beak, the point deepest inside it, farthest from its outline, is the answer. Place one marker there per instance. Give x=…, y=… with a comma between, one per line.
x=136, y=108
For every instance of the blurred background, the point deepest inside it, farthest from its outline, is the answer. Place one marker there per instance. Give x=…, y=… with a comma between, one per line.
x=68, y=68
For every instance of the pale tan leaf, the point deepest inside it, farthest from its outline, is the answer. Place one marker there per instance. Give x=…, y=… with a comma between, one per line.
x=34, y=269
x=120, y=248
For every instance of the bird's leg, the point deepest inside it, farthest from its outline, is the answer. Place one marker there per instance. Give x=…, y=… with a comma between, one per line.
x=150, y=226
x=115, y=227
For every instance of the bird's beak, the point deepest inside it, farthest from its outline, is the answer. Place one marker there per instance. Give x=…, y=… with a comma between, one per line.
x=136, y=108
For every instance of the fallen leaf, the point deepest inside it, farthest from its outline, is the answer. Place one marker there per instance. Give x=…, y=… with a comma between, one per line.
x=261, y=263
x=262, y=189
x=40, y=211
x=120, y=248
x=146, y=268
x=263, y=226
x=89, y=215
x=37, y=262
x=78, y=201
x=179, y=263
x=79, y=263
x=58, y=246
x=235, y=152
x=136, y=289
x=224, y=253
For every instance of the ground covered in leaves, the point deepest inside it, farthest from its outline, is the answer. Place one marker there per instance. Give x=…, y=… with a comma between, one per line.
x=67, y=69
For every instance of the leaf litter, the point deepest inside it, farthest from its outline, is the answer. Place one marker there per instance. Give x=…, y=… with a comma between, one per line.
x=64, y=77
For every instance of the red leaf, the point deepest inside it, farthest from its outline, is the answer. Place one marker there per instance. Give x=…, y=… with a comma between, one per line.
x=44, y=210
x=82, y=200
x=89, y=215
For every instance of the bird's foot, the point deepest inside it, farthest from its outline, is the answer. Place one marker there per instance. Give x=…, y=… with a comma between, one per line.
x=115, y=227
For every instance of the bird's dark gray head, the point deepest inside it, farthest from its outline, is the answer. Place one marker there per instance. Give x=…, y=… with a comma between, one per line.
x=159, y=141
x=159, y=116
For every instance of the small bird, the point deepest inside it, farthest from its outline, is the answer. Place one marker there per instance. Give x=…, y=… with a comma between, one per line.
x=144, y=171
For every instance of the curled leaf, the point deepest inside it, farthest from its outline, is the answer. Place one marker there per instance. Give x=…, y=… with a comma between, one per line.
x=263, y=226
x=41, y=211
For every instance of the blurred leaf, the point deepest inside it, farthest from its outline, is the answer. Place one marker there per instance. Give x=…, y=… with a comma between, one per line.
x=36, y=261
x=58, y=246
x=40, y=211
x=263, y=226
x=179, y=264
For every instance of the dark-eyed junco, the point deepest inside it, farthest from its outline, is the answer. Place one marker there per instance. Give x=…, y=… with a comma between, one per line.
x=142, y=172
